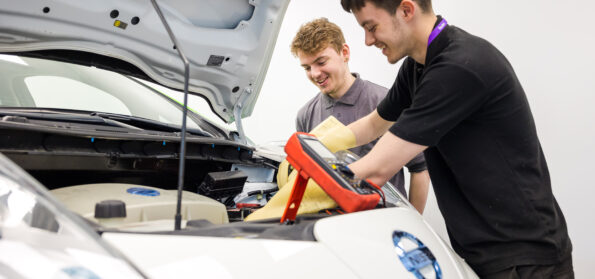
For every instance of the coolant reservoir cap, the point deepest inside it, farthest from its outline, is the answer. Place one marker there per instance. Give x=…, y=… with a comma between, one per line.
x=110, y=209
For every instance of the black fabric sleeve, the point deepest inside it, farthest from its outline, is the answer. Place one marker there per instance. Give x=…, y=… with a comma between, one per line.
x=399, y=95
x=447, y=95
x=417, y=164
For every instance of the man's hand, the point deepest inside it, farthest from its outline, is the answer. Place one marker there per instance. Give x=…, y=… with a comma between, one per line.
x=387, y=157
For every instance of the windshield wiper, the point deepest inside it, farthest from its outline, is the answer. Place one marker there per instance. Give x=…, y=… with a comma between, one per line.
x=62, y=116
x=149, y=124
x=98, y=118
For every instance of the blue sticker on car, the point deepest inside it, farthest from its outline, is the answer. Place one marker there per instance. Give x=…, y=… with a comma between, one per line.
x=143, y=191
x=79, y=272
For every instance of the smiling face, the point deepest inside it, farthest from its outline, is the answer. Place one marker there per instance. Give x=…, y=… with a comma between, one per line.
x=328, y=70
x=385, y=31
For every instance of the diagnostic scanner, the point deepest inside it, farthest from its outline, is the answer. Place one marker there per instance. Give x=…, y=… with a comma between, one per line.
x=311, y=159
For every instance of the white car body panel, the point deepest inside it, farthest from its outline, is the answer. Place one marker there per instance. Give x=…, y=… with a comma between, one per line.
x=371, y=252
x=355, y=245
x=213, y=257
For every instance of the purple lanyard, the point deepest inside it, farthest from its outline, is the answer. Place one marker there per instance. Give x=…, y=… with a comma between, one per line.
x=437, y=30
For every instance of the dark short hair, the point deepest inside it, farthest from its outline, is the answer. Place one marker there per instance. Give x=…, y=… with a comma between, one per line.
x=388, y=5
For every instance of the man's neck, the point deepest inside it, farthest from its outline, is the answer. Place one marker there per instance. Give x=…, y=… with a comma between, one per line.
x=421, y=34
x=349, y=80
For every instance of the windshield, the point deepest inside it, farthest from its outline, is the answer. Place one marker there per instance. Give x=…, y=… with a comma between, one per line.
x=38, y=83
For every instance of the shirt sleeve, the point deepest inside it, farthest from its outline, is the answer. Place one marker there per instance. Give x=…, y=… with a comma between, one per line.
x=300, y=121
x=417, y=164
x=299, y=127
x=447, y=95
x=399, y=95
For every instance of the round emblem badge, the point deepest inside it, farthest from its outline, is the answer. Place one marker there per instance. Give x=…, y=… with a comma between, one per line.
x=415, y=256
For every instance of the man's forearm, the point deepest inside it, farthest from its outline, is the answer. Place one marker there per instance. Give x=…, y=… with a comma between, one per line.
x=419, y=185
x=369, y=128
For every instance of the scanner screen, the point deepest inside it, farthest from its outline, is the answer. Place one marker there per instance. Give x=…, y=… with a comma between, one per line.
x=320, y=149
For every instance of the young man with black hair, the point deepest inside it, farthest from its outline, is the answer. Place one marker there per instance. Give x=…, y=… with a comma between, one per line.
x=457, y=99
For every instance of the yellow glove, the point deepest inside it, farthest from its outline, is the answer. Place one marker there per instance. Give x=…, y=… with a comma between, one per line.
x=335, y=136
x=283, y=174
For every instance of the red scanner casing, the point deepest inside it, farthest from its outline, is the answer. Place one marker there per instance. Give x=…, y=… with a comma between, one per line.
x=308, y=168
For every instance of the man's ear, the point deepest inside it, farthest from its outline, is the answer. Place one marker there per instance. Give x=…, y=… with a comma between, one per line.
x=345, y=52
x=407, y=9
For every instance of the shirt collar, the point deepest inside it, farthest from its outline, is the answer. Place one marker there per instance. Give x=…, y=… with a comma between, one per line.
x=439, y=43
x=349, y=98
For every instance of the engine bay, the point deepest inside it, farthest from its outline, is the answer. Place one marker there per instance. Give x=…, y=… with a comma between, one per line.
x=98, y=166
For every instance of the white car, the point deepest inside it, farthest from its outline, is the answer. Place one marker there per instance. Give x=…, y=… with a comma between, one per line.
x=81, y=114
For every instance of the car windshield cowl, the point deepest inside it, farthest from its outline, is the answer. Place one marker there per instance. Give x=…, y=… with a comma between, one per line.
x=98, y=118
x=149, y=124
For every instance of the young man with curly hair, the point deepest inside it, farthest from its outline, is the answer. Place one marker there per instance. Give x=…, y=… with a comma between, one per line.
x=324, y=55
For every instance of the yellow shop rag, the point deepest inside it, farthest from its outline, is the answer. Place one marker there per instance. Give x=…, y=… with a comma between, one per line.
x=335, y=136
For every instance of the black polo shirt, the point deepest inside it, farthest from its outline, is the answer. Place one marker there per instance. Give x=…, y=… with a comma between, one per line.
x=486, y=164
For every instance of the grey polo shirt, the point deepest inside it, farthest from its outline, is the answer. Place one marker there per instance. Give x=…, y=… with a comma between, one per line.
x=360, y=100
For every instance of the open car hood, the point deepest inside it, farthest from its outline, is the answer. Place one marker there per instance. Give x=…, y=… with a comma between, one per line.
x=228, y=43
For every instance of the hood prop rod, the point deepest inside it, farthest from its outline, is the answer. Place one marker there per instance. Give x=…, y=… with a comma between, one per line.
x=238, y=109
x=178, y=217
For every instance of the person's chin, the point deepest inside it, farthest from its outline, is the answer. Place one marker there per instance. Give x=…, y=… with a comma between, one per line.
x=324, y=88
x=386, y=53
x=393, y=59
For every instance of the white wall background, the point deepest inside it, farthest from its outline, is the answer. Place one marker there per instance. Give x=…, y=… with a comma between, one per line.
x=549, y=43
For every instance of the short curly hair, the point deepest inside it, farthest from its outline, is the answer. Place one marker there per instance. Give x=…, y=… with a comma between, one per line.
x=317, y=35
